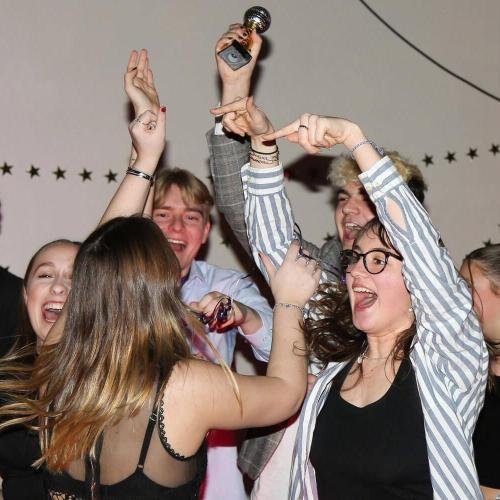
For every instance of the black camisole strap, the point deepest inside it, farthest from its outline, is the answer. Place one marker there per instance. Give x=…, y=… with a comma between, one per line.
x=149, y=430
x=147, y=440
x=93, y=471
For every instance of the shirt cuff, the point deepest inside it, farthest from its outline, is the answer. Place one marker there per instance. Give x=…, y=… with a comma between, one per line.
x=264, y=181
x=218, y=129
x=381, y=178
x=261, y=341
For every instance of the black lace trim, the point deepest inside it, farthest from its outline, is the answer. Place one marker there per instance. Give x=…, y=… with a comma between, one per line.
x=163, y=436
x=60, y=495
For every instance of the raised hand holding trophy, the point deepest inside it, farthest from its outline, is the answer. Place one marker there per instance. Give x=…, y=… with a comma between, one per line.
x=237, y=54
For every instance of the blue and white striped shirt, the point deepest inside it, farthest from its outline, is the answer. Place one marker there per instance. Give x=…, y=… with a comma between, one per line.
x=449, y=355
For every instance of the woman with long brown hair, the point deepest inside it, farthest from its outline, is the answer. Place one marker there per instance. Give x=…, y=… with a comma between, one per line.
x=121, y=406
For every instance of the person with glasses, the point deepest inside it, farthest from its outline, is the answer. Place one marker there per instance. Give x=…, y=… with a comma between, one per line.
x=403, y=359
x=229, y=153
x=229, y=150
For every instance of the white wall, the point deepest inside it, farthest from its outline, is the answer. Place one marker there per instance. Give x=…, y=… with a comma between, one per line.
x=63, y=105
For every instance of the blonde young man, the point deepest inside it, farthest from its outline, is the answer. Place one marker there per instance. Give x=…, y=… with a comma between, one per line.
x=181, y=209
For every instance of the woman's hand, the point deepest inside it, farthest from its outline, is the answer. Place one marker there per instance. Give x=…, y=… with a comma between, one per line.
x=314, y=132
x=148, y=135
x=213, y=308
x=139, y=84
x=296, y=280
x=243, y=117
x=236, y=84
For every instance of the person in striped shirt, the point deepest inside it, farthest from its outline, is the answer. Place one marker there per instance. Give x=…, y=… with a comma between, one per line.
x=404, y=363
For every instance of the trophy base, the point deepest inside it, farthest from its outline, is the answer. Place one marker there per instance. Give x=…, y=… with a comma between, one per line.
x=235, y=55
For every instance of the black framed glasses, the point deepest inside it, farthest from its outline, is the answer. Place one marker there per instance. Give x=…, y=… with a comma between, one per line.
x=297, y=234
x=374, y=260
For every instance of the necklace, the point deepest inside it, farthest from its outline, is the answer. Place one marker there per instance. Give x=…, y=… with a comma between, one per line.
x=363, y=355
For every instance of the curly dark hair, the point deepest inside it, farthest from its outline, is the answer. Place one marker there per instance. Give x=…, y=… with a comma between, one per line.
x=329, y=330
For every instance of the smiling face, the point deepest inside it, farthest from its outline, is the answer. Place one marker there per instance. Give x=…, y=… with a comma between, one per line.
x=486, y=301
x=48, y=285
x=185, y=225
x=352, y=211
x=380, y=303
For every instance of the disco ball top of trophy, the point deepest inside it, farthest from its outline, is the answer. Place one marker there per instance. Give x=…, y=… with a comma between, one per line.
x=257, y=18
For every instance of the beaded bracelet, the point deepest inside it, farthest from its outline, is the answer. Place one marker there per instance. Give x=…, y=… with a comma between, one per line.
x=379, y=150
x=287, y=305
x=140, y=173
x=267, y=159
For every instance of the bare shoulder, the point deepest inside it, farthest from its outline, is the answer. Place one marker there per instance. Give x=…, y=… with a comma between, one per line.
x=193, y=379
x=202, y=387
x=185, y=405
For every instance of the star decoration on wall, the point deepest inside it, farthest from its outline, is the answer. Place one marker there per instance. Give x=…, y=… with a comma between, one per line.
x=328, y=237
x=111, y=176
x=487, y=243
x=6, y=169
x=472, y=153
x=428, y=160
x=495, y=149
x=450, y=157
x=85, y=175
x=59, y=173
x=33, y=171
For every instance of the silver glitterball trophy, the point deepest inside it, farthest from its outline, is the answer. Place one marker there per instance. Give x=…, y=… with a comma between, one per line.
x=237, y=54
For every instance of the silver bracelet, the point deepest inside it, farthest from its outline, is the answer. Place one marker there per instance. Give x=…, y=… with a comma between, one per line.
x=287, y=305
x=379, y=150
x=140, y=173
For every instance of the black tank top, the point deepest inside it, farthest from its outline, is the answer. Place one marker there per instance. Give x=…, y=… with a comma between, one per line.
x=137, y=486
x=375, y=452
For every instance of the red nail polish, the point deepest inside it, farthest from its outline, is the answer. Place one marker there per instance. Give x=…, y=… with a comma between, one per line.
x=163, y=109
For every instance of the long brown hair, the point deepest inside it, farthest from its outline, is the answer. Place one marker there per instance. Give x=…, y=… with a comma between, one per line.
x=329, y=330
x=487, y=258
x=125, y=324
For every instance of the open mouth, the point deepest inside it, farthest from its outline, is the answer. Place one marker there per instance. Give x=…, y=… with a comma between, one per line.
x=363, y=297
x=177, y=245
x=351, y=230
x=51, y=311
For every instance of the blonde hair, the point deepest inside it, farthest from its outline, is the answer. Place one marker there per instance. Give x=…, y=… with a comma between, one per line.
x=344, y=169
x=193, y=190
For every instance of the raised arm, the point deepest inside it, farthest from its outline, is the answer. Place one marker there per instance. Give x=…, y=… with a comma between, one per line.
x=147, y=131
x=264, y=400
x=148, y=137
x=268, y=213
x=229, y=151
x=447, y=328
